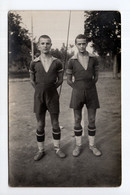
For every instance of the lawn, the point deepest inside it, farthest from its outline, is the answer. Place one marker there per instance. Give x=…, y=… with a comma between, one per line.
x=83, y=171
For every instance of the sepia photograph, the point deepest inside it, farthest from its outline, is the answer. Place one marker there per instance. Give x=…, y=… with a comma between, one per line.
x=64, y=98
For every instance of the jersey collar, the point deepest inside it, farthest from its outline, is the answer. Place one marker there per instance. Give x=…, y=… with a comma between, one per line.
x=38, y=59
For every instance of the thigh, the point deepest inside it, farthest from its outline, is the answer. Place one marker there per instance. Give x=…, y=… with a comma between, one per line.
x=41, y=121
x=92, y=100
x=78, y=117
x=39, y=102
x=52, y=101
x=77, y=99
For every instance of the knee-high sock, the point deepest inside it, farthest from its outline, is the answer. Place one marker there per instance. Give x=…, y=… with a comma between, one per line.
x=91, y=135
x=40, y=140
x=56, y=138
x=56, y=144
x=78, y=135
x=41, y=147
x=78, y=140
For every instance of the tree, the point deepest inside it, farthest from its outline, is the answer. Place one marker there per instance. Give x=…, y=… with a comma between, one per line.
x=104, y=29
x=63, y=53
x=19, y=45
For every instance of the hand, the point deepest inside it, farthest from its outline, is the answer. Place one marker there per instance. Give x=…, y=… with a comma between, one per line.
x=33, y=84
x=96, y=79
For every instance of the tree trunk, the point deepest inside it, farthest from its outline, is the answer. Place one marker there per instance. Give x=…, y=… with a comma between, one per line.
x=115, y=67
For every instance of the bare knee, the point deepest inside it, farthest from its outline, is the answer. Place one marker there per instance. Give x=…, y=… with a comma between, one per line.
x=55, y=124
x=92, y=122
x=40, y=127
x=78, y=121
x=55, y=121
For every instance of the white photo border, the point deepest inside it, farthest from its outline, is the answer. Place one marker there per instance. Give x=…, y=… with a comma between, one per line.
x=124, y=8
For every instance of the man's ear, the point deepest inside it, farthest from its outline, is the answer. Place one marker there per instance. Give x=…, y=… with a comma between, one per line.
x=38, y=46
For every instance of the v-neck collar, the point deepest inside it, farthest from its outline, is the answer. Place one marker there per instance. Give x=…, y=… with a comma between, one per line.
x=39, y=59
x=75, y=57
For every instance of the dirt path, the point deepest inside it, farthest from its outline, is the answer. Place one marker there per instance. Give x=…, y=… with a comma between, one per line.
x=84, y=171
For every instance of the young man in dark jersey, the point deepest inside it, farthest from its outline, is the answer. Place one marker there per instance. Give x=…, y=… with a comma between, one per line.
x=84, y=69
x=46, y=76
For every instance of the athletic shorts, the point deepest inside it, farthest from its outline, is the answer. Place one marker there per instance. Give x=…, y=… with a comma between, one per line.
x=89, y=97
x=46, y=100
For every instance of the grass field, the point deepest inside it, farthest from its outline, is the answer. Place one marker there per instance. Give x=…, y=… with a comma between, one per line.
x=83, y=171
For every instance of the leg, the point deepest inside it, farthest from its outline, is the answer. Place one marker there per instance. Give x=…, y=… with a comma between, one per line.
x=78, y=132
x=55, y=127
x=40, y=135
x=56, y=132
x=92, y=131
x=91, y=120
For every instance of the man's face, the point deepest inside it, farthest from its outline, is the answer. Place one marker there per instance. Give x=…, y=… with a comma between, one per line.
x=81, y=45
x=44, y=45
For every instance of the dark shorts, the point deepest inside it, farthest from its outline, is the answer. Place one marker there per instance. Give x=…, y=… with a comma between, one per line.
x=46, y=100
x=89, y=97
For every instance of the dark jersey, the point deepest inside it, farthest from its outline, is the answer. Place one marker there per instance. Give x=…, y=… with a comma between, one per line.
x=83, y=78
x=84, y=88
x=49, y=78
x=46, y=96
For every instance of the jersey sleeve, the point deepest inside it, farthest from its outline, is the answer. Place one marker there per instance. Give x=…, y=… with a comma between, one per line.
x=32, y=68
x=69, y=69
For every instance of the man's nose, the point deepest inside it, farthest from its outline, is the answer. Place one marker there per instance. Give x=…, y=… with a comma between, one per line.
x=45, y=45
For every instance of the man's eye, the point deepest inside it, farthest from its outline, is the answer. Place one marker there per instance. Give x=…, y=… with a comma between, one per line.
x=81, y=44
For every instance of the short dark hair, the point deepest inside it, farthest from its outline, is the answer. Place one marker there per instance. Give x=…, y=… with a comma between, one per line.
x=81, y=36
x=44, y=37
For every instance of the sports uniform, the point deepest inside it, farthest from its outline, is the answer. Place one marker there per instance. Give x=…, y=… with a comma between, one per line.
x=84, y=88
x=46, y=96
x=84, y=69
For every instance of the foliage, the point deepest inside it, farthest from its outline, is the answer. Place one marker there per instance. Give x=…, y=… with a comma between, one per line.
x=18, y=41
x=104, y=29
x=63, y=53
x=20, y=44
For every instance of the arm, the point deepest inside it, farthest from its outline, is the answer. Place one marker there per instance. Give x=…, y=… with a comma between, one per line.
x=32, y=74
x=69, y=80
x=96, y=77
x=96, y=68
x=32, y=79
x=69, y=73
x=60, y=79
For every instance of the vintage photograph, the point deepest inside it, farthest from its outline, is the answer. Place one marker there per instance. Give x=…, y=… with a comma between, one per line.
x=64, y=98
